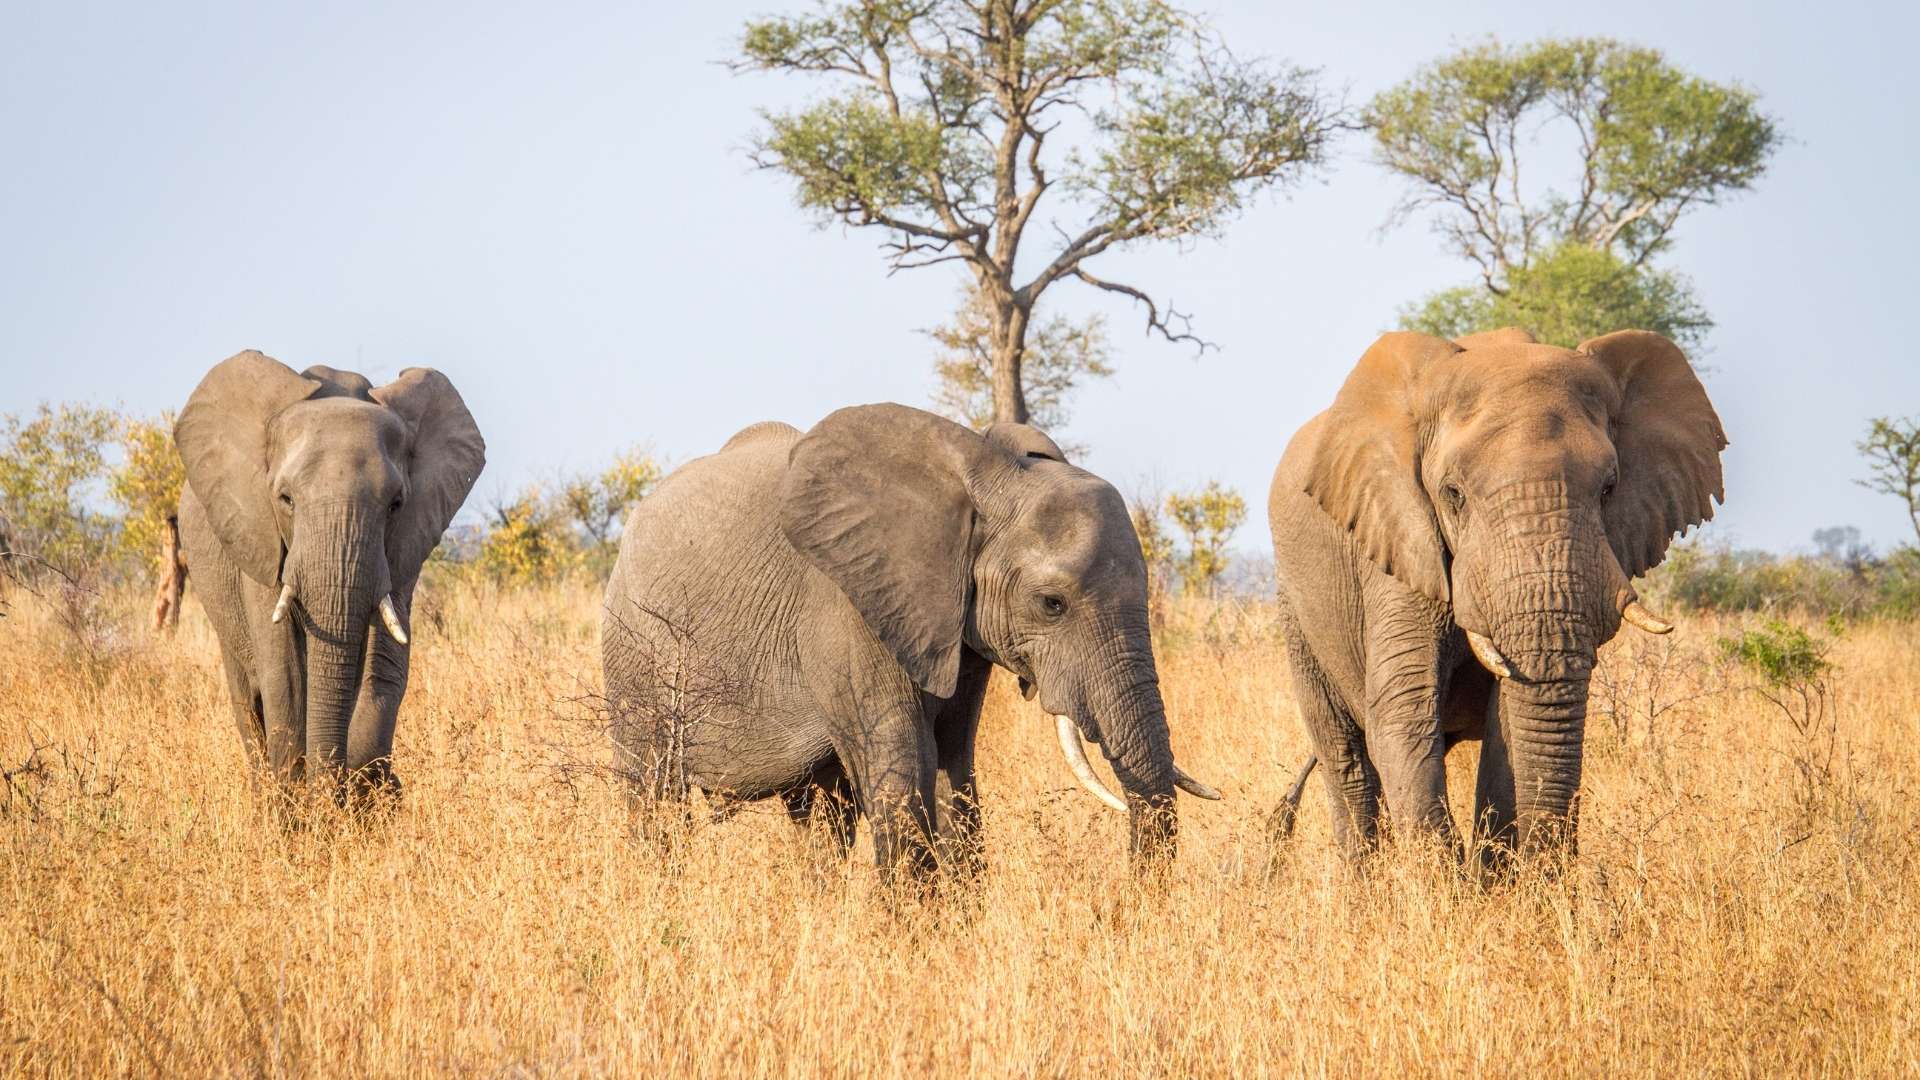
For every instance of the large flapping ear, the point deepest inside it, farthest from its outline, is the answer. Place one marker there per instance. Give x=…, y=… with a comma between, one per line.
x=1506, y=335
x=1365, y=471
x=222, y=436
x=1668, y=441
x=1024, y=440
x=879, y=498
x=447, y=454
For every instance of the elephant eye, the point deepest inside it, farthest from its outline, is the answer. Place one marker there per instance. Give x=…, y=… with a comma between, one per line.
x=1606, y=489
x=286, y=500
x=1455, y=497
x=1053, y=605
x=395, y=508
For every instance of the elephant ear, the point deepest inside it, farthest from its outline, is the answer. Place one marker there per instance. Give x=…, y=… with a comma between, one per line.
x=1668, y=440
x=1024, y=441
x=1365, y=472
x=222, y=436
x=1506, y=335
x=879, y=498
x=446, y=454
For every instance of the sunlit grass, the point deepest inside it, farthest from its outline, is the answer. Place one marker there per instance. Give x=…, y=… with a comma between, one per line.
x=1720, y=918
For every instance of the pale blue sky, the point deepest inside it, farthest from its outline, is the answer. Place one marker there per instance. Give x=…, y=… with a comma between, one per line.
x=549, y=202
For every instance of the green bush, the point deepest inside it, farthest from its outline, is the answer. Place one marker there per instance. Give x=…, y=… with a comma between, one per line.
x=1720, y=578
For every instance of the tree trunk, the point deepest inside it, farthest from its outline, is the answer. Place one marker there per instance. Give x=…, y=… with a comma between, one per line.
x=1009, y=353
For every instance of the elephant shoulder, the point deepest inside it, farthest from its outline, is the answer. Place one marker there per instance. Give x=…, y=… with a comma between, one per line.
x=1290, y=475
x=763, y=431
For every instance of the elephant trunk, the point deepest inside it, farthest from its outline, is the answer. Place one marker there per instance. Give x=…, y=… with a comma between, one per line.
x=340, y=578
x=1546, y=604
x=1543, y=728
x=1131, y=721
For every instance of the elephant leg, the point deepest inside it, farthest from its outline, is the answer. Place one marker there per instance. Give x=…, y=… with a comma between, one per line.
x=1493, y=792
x=247, y=718
x=955, y=727
x=822, y=807
x=893, y=765
x=1353, y=787
x=383, y=682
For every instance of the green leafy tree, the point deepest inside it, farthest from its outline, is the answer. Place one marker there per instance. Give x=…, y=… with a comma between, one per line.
x=1208, y=518
x=147, y=484
x=527, y=540
x=1061, y=354
x=1892, y=450
x=1566, y=296
x=1156, y=546
x=947, y=128
x=598, y=504
x=50, y=464
x=1653, y=144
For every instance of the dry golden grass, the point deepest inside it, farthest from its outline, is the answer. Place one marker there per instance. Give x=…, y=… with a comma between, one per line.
x=1723, y=916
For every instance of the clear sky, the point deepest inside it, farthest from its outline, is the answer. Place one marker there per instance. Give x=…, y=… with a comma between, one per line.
x=550, y=202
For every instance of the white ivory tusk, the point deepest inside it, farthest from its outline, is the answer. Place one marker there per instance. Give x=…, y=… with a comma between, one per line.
x=286, y=599
x=1488, y=655
x=391, y=618
x=1076, y=756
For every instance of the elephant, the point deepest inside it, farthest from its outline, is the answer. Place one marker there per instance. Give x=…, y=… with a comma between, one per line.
x=1454, y=539
x=311, y=501
x=814, y=617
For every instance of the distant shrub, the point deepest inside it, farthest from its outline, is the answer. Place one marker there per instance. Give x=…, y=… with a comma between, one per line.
x=1854, y=586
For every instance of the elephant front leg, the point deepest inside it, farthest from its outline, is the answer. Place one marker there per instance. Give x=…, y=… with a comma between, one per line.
x=956, y=725
x=893, y=765
x=823, y=807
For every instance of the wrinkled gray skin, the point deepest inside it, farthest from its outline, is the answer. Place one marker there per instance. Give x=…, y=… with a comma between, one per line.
x=1491, y=485
x=816, y=615
x=322, y=482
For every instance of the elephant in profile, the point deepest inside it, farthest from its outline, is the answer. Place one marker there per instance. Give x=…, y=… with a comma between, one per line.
x=1455, y=538
x=311, y=501
x=814, y=617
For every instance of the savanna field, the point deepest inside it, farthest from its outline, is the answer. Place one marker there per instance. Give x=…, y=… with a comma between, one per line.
x=1746, y=900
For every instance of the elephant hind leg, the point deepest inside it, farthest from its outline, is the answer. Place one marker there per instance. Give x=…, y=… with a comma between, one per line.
x=822, y=806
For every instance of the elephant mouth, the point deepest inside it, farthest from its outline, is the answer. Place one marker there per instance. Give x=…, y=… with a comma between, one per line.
x=1027, y=689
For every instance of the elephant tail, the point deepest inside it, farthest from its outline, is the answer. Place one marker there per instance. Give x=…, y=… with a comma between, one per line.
x=1280, y=823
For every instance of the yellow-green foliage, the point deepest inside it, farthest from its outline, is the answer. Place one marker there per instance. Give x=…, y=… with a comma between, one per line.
x=538, y=536
x=50, y=465
x=147, y=485
x=1208, y=518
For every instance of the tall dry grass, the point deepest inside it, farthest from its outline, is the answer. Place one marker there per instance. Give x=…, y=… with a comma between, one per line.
x=1727, y=914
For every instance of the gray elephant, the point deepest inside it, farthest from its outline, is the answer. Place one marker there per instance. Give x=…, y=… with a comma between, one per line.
x=311, y=501
x=1489, y=499
x=814, y=617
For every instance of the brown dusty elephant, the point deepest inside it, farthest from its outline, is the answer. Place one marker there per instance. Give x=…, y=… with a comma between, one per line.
x=1489, y=499
x=814, y=617
x=312, y=500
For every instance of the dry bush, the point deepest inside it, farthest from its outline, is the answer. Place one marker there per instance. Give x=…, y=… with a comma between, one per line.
x=502, y=922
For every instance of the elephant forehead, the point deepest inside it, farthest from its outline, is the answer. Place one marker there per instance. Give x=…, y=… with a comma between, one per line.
x=339, y=429
x=1508, y=381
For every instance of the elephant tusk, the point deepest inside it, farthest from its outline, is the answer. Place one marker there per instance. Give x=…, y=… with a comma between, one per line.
x=1193, y=787
x=1644, y=619
x=286, y=600
x=1489, y=656
x=1076, y=756
x=391, y=618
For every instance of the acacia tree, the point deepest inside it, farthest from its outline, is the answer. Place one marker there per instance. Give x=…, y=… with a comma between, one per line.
x=1060, y=354
x=947, y=135
x=1653, y=144
x=1892, y=450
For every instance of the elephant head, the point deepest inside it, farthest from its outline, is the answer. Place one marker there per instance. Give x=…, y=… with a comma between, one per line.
x=1524, y=486
x=945, y=539
x=333, y=492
